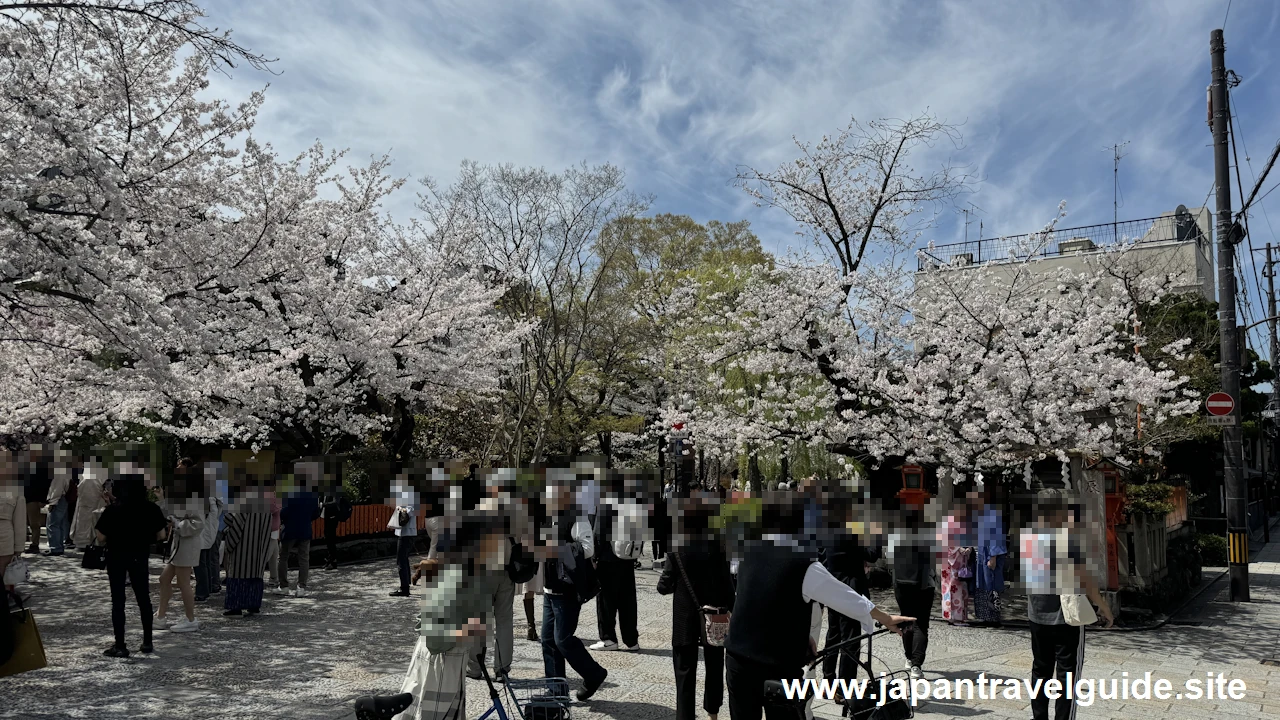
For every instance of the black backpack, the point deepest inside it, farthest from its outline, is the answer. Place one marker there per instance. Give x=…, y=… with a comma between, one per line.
x=523, y=565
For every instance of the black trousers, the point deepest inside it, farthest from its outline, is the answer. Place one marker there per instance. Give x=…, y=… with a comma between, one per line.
x=917, y=602
x=617, y=598
x=403, y=546
x=746, y=689
x=840, y=629
x=331, y=540
x=133, y=566
x=1060, y=646
x=685, y=660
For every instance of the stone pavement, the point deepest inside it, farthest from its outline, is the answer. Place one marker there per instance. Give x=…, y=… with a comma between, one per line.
x=308, y=658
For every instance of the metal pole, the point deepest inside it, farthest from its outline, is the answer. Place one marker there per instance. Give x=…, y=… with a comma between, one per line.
x=1236, y=493
x=1270, y=273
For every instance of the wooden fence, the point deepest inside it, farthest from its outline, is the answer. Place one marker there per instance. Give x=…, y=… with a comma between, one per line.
x=365, y=520
x=1179, y=514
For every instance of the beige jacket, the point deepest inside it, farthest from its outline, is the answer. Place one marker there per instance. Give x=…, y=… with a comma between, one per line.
x=13, y=520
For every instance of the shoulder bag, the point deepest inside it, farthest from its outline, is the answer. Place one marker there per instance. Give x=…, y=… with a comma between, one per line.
x=715, y=621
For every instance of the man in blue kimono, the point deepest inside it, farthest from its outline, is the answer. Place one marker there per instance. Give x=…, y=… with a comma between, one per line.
x=989, y=574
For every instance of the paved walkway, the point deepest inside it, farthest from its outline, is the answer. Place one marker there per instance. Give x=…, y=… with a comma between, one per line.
x=308, y=658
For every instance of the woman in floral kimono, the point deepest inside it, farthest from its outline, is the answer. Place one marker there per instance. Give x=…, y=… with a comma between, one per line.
x=956, y=545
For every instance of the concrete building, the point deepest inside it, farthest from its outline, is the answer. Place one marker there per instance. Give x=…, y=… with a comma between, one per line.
x=1179, y=242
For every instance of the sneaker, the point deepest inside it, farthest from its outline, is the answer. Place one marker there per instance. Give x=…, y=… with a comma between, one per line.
x=631, y=648
x=589, y=689
x=398, y=593
x=301, y=592
x=117, y=651
x=147, y=647
x=185, y=626
x=32, y=550
x=232, y=613
x=280, y=591
x=161, y=623
x=52, y=553
x=908, y=666
x=533, y=635
x=604, y=645
x=916, y=672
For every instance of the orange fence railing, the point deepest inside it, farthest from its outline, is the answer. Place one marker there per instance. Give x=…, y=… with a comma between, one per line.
x=365, y=520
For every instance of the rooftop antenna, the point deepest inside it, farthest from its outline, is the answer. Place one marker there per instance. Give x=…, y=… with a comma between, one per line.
x=1116, y=153
x=971, y=210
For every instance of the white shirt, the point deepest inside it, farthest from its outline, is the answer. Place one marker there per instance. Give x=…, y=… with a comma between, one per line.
x=822, y=587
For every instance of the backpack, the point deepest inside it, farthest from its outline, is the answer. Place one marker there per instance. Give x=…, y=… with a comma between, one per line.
x=523, y=565
x=627, y=536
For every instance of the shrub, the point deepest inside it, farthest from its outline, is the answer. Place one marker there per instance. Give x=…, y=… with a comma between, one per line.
x=1148, y=499
x=1213, y=549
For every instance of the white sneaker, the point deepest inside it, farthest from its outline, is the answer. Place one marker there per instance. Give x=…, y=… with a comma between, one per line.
x=604, y=645
x=908, y=666
x=916, y=672
x=301, y=592
x=279, y=591
x=185, y=626
x=631, y=648
x=161, y=623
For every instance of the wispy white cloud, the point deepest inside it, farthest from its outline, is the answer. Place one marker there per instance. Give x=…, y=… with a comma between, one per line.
x=681, y=93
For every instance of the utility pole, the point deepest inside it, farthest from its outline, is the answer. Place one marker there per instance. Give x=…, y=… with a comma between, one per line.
x=1269, y=271
x=1237, y=495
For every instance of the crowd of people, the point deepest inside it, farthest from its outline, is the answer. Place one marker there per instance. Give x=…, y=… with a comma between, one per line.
x=748, y=590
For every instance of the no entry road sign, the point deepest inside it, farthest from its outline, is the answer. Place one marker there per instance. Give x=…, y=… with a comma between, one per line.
x=1220, y=403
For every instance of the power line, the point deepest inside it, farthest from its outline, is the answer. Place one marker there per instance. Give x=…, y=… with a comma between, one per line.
x=1233, y=120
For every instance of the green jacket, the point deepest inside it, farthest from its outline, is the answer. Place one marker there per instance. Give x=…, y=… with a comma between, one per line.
x=450, y=602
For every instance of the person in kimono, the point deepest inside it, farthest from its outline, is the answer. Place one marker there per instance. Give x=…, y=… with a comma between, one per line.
x=246, y=541
x=956, y=550
x=989, y=573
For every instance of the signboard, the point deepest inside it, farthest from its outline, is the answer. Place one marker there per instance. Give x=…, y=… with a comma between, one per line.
x=1219, y=403
x=1221, y=420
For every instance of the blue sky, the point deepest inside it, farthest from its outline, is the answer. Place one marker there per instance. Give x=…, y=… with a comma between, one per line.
x=680, y=93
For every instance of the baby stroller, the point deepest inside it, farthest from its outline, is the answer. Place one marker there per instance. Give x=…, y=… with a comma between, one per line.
x=865, y=708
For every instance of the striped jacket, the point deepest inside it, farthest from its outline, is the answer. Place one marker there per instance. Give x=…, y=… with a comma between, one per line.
x=247, y=537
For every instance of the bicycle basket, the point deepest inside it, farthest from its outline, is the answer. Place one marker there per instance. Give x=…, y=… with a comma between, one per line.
x=541, y=698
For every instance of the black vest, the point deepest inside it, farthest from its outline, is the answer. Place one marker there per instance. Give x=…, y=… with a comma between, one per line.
x=770, y=624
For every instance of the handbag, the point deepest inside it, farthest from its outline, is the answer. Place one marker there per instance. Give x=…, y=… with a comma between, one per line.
x=18, y=572
x=523, y=565
x=1078, y=611
x=95, y=558
x=715, y=621
x=20, y=639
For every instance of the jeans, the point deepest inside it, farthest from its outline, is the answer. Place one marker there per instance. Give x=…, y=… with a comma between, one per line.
x=1055, y=645
x=134, y=566
x=617, y=598
x=685, y=660
x=559, y=644
x=916, y=602
x=746, y=689
x=404, y=546
x=303, y=548
x=57, y=525
x=504, y=598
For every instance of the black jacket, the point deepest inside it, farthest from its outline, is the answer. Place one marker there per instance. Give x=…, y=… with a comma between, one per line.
x=846, y=560
x=707, y=566
x=770, y=624
x=913, y=562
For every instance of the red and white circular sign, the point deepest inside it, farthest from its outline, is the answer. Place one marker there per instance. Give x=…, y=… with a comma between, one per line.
x=1219, y=403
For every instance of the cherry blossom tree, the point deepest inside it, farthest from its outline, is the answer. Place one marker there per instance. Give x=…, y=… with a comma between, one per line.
x=159, y=267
